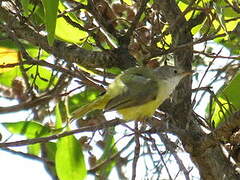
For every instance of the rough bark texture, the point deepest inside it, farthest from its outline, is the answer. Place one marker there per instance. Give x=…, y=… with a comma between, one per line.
x=212, y=163
x=119, y=57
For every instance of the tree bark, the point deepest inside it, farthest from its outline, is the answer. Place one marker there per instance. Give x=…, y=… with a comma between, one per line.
x=211, y=162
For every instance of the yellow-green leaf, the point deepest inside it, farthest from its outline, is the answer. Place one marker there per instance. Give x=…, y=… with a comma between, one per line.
x=42, y=79
x=30, y=129
x=227, y=101
x=25, y=4
x=67, y=32
x=50, y=16
x=6, y=78
x=8, y=56
x=70, y=164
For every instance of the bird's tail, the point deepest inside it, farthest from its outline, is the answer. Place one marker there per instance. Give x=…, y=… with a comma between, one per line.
x=98, y=104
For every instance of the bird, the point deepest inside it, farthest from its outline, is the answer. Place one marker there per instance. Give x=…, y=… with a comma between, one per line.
x=137, y=92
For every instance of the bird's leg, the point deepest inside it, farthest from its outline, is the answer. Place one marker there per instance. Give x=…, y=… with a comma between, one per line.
x=143, y=121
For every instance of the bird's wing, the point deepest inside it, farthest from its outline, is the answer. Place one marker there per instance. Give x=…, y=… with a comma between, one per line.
x=140, y=88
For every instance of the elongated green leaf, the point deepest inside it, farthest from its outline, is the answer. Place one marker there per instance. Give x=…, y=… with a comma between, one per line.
x=42, y=79
x=58, y=117
x=68, y=32
x=49, y=152
x=34, y=52
x=227, y=101
x=114, y=70
x=34, y=149
x=69, y=160
x=50, y=16
x=8, y=56
x=61, y=114
x=7, y=43
x=25, y=4
x=6, y=78
x=82, y=98
x=220, y=16
x=30, y=129
x=38, y=15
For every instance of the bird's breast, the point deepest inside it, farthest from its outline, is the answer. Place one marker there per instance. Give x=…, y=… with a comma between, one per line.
x=146, y=110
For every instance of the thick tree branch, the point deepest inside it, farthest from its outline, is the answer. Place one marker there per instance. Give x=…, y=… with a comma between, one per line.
x=212, y=160
x=222, y=133
x=72, y=53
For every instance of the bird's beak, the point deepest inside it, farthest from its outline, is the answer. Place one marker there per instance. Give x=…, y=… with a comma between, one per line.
x=188, y=73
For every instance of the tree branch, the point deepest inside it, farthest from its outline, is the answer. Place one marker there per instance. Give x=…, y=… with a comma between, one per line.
x=73, y=53
x=107, y=124
x=222, y=133
x=212, y=160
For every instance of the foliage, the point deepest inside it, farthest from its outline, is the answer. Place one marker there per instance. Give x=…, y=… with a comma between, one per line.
x=58, y=55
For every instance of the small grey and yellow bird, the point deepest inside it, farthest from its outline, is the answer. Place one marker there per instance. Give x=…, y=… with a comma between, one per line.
x=137, y=92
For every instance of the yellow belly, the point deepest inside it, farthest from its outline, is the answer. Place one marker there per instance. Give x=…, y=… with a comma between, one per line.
x=142, y=111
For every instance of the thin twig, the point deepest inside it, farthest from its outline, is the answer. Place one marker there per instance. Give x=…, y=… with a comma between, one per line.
x=170, y=146
x=114, y=156
x=107, y=124
x=137, y=18
x=163, y=161
x=216, y=55
x=210, y=64
x=29, y=156
x=136, y=151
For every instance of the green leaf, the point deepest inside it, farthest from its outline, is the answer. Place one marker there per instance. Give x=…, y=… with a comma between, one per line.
x=34, y=149
x=30, y=129
x=220, y=16
x=232, y=43
x=129, y=2
x=84, y=2
x=43, y=78
x=70, y=164
x=8, y=56
x=227, y=101
x=34, y=52
x=58, y=113
x=225, y=16
x=196, y=29
x=167, y=40
x=49, y=152
x=50, y=16
x=49, y=149
x=83, y=98
x=67, y=32
x=25, y=4
x=114, y=70
x=7, y=43
x=38, y=15
x=6, y=78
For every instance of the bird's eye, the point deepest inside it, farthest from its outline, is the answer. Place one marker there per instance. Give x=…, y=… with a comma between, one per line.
x=175, y=71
